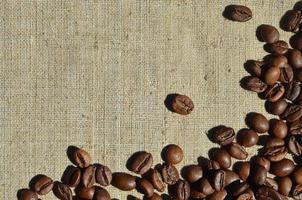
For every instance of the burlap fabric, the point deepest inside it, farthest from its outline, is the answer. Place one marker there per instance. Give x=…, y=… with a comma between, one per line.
x=95, y=74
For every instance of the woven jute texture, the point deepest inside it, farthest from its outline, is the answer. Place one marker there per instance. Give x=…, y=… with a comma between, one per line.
x=95, y=74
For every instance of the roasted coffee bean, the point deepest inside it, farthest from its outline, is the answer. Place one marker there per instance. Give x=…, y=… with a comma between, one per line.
x=123, y=181
x=181, y=190
x=140, y=162
x=282, y=168
x=154, y=197
x=156, y=180
x=243, y=170
x=230, y=177
x=297, y=41
x=278, y=61
x=254, y=67
x=237, y=151
x=262, y=161
x=294, y=145
x=267, y=33
x=212, y=164
x=297, y=192
x=271, y=75
x=88, y=177
x=292, y=90
x=276, y=108
x=274, y=92
x=192, y=173
x=292, y=21
x=270, y=182
x=274, y=149
x=278, y=47
x=284, y=185
x=101, y=194
x=182, y=104
x=71, y=176
x=103, y=175
x=295, y=58
x=217, y=195
x=286, y=74
x=223, y=135
x=298, y=75
x=42, y=185
x=172, y=154
x=86, y=193
x=278, y=128
x=217, y=179
x=204, y=186
x=222, y=157
x=253, y=84
x=27, y=194
x=258, y=122
x=247, y=137
x=258, y=174
x=295, y=128
x=292, y=113
x=245, y=196
x=169, y=174
x=238, y=188
x=81, y=158
x=145, y=187
x=62, y=191
x=268, y=193
x=297, y=175
x=238, y=13
x=196, y=194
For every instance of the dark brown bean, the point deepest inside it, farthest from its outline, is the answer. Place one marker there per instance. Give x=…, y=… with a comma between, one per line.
x=123, y=181
x=254, y=67
x=71, y=176
x=222, y=157
x=286, y=74
x=155, y=197
x=259, y=174
x=141, y=162
x=181, y=190
x=282, y=168
x=230, y=177
x=217, y=180
x=43, y=185
x=253, y=84
x=262, y=161
x=204, y=186
x=295, y=128
x=81, y=158
x=145, y=187
x=103, y=175
x=212, y=164
x=237, y=151
x=265, y=193
x=270, y=182
x=101, y=194
x=86, y=193
x=284, y=185
x=169, y=174
x=243, y=170
x=182, y=104
x=217, y=195
x=267, y=33
x=278, y=47
x=275, y=149
x=292, y=21
x=292, y=90
x=172, y=154
x=292, y=113
x=156, y=180
x=27, y=194
x=271, y=75
x=223, y=135
x=192, y=173
x=294, y=145
x=278, y=128
x=238, y=13
x=62, y=191
x=297, y=175
x=277, y=107
x=258, y=122
x=247, y=137
x=274, y=92
x=278, y=61
x=298, y=75
x=238, y=188
x=245, y=196
x=88, y=177
x=295, y=58
x=297, y=192
x=195, y=193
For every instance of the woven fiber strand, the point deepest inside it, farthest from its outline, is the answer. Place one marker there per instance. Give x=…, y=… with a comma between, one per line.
x=95, y=74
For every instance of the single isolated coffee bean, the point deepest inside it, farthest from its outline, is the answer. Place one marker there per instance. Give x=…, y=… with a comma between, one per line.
x=284, y=185
x=86, y=193
x=182, y=104
x=277, y=107
x=282, y=168
x=253, y=84
x=243, y=170
x=294, y=145
x=172, y=154
x=230, y=177
x=217, y=179
x=88, y=177
x=123, y=181
x=274, y=92
x=141, y=162
x=278, y=128
x=169, y=174
x=238, y=188
x=292, y=113
x=258, y=122
x=271, y=75
x=237, y=151
x=297, y=175
x=217, y=195
x=71, y=176
x=258, y=174
x=222, y=157
x=295, y=58
x=103, y=175
x=254, y=67
x=292, y=90
x=295, y=128
x=81, y=158
x=27, y=194
x=145, y=187
x=43, y=185
x=204, y=186
x=286, y=74
x=292, y=21
x=62, y=191
x=101, y=194
x=274, y=149
x=267, y=33
x=223, y=135
x=238, y=13
x=297, y=192
x=247, y=137
x=262, y=161
x=181, y=190
x=192, y=173
x=265, y=193
x=279, y=47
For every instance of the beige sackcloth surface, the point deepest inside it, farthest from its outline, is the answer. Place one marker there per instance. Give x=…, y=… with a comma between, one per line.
x=95, y=74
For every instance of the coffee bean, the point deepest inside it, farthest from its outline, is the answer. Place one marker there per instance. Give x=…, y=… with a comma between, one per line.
x=278, y=61
x=271, y=75
x=278, y=128
x=270, y=182
x=274, y=92
x=267, y=33
x=243, y=170
x=292, y=21
x=212, y=164
x=238, y=188
x=295, y=128
x=284, y=185
x=205, y=187
x=292, y=90
x=222, y=157
x=217, y=195
x=71, y=176
x=42, y=185
x=297, y=175
x=277, y=107
x=254, y=67
x=278, y=47
x=172, y=154
x=103, y=175
x=154, y=197
x=141, y=162
x=88, y=177
x=294, y=145
x=274, y=149
x=245, y=196
x=286, y=74
x=123, y=181
x=62, y=191
x=265, y=193
x=258, y=174
x=292, y=113
x=156, y=180
x=253, y=84
x=298, y=75
x=238, y=13
x=86, y=193
x=81, y=158
x=257, y=122
x=282, y=168
x=169, y=174
x=295, y=58
x=101, y=194
x=230, y=177
x=145, y=187
x=27, y=194
x=297, y=192
x=259, y=160
x=297, y=41
x=192, y=173
x=223, y=135
x=181, y=190
x=182, y=104
x=237, y=151
x=195, y=194
x=217, y=180
x=247, y=137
